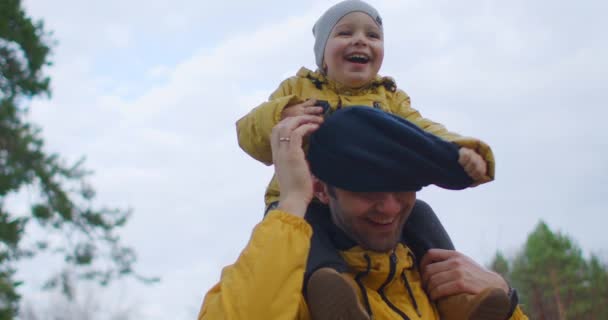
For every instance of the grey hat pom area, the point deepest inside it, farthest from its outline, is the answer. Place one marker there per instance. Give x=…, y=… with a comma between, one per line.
x=328, y=20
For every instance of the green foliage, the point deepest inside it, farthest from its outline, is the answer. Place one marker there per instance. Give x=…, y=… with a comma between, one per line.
x=500, y=264
x=63, y=197
x=553, y=278
x=24, y=53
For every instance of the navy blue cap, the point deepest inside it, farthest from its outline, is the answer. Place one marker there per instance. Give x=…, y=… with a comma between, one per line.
x=362, y=149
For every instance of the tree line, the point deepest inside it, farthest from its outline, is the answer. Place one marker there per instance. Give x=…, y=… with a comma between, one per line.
x=61, y=199
x=554, y=279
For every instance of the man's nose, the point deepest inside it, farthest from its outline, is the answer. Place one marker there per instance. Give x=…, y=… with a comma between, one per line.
x=390, y=204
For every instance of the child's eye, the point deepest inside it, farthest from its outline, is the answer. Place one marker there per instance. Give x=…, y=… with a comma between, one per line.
x=374, y=35
x=344, y=33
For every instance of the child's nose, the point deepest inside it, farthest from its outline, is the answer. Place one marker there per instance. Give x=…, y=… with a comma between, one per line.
x=359, y=39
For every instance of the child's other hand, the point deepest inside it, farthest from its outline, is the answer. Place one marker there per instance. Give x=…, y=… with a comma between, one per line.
x=474, y=165
x=307, y=107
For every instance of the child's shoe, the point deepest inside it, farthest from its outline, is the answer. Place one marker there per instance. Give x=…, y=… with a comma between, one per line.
x=332, y=296
x=490, y=304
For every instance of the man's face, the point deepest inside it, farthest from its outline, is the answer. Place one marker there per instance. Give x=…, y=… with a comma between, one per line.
x=373, y=219
x=354, y=50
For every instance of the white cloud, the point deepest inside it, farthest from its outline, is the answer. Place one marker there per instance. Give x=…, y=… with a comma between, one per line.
x=159, y=71
x=117, y=35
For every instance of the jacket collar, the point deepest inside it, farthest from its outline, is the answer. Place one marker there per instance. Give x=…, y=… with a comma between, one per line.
x=380, y=268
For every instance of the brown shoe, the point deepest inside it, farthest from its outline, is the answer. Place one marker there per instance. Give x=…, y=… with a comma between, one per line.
x=490, y=304
x=332, y=296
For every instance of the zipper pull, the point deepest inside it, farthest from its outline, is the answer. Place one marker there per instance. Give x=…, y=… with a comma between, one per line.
x=393, y=258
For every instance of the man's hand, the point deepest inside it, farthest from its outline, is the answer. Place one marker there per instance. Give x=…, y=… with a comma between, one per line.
x=474, y=165
x=307, y=107
x=291, y=168
x=448, y=272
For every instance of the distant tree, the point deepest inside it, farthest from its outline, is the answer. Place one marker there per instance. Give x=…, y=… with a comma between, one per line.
x=598, y=289
x=554, y=280
x=500, y=264
x=62, y=203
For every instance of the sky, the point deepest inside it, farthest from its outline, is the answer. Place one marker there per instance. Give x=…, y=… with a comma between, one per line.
x=149, y=91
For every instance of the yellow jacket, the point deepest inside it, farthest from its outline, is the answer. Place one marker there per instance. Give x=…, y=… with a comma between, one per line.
x=265, y=283
x=254, y=128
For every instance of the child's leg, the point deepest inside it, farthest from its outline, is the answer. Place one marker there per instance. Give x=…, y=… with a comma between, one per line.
x=423, y=231
x=329, y=294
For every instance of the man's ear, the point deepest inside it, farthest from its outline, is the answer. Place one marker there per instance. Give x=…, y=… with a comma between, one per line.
x=320, y=190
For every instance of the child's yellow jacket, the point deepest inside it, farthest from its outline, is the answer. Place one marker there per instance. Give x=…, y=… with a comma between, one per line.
x=255, y=127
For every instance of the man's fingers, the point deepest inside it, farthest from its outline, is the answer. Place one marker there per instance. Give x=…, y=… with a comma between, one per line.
x=449, y=288
x=437, y=267
x=300, y=132
x=283, y=137
x=440, y=260
x=286, y=127
x=435, y=255
x=442, y=277
x=313, y=110
x=309, y=102
x=454, y=273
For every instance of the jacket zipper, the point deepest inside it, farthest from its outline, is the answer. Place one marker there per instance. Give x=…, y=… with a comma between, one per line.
x=393, y=268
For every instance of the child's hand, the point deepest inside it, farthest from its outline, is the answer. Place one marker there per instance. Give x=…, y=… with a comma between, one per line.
x=304, y=108
x=474, y=165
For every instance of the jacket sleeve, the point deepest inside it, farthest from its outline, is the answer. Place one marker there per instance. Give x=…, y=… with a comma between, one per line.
x=402, y=107
x=253, y=130
x=518, y=314
x=266, y=280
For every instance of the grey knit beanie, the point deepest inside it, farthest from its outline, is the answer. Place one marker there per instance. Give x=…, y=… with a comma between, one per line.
x=328, y=20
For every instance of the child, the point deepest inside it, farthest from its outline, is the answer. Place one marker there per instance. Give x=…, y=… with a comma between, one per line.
x=349, y=50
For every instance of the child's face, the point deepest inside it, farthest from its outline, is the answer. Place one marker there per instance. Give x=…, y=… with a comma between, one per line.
x=354, y=50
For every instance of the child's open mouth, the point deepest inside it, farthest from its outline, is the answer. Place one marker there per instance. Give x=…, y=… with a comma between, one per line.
x=357, y=58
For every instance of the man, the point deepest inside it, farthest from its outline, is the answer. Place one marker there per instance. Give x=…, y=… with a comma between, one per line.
x=369, y=201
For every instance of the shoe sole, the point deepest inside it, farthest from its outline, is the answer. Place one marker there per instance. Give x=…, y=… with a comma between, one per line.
x=331, y=297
